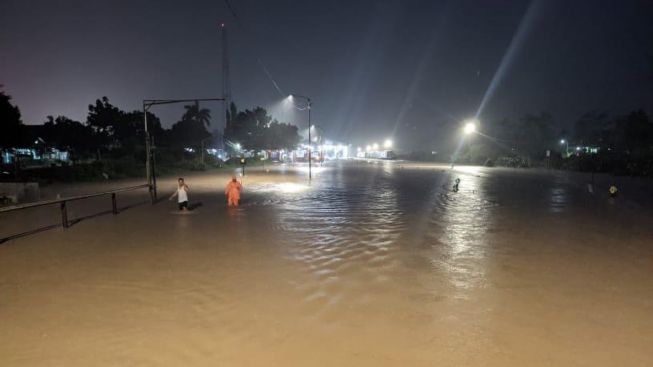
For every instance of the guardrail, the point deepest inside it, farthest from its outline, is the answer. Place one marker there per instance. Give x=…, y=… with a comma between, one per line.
x=62, y=202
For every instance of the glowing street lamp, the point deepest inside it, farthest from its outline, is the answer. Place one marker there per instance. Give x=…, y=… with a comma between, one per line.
x=291, y=98
x=375, y=146
x=470, y=127
x=566, y=143
x=368, y=148
x=387, y=144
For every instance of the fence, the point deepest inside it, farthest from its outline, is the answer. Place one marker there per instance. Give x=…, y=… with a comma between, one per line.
x=62, y=202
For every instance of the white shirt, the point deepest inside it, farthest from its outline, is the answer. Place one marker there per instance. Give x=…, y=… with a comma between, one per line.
x=181, y=194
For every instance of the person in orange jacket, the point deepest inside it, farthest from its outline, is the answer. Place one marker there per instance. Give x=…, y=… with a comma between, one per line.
x=233, y=192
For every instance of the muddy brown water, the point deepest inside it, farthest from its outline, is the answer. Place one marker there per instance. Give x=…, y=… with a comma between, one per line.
x=372, y=264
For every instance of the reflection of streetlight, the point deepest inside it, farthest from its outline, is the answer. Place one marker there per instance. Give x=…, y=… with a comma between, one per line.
x=470, y=127
x=291, y=98
x=387, y=144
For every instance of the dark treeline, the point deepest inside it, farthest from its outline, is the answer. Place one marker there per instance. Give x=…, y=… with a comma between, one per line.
x=113, y=135
x=256, y=130
x=597, y=142
x=110, y=129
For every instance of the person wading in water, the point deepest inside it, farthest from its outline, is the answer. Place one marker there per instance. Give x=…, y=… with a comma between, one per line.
x=232, y=191
x=181, y=194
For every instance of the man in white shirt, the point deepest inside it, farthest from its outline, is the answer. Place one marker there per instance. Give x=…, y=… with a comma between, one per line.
x=181, y=194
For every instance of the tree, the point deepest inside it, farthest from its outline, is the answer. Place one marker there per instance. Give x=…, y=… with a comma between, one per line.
x=591, y=127
x=191, y=129
x=255, y=129
x=130, y=130
x=10, y=122
x=117, y=129
x=194, y=113
x=103, y=118
x=634, y=133
x=69, y=135
x=534, y=134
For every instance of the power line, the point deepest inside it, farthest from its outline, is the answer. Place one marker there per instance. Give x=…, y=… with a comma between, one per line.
x=258, y=59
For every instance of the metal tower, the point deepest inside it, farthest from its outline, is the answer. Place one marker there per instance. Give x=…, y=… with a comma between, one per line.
x=226, y=83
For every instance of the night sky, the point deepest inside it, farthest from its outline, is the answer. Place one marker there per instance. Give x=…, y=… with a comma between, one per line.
x=408, y=69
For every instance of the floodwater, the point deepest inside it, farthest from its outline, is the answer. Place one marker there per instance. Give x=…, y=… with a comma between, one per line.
x=372, y=264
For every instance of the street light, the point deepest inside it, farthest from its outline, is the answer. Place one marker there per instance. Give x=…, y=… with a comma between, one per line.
x=470, y=127
x=566, y=143
x=202, y=144
x=387, y=144
x=375, y=146
x=291, y=98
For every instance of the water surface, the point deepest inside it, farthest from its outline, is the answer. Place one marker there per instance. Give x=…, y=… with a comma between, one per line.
x=372, y=264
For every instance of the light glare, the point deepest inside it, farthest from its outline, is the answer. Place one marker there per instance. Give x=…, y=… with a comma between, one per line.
x=470, y=127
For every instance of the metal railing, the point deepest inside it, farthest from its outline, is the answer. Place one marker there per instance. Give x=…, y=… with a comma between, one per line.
x=62, y=202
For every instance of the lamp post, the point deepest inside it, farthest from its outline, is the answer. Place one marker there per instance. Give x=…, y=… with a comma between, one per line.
x=148, y=157
x=566, y=143
x=202, y=146
x=469, y=128
x=308, y=100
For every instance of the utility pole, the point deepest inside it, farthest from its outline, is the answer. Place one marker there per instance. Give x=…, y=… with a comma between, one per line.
x=148, y=154
x=310, y=143
x=226, y=82
x=202, y=146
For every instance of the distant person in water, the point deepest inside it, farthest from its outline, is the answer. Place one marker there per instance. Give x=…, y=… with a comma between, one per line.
x=182, y=194
x=233, y=192
x=456, y=184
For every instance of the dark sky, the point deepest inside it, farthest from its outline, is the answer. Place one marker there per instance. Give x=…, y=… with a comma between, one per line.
x=374, y=69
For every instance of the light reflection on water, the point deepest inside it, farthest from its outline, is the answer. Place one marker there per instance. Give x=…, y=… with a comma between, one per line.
x=374, y=264
x=283, y=187
x=377, y=219
x=465, y=220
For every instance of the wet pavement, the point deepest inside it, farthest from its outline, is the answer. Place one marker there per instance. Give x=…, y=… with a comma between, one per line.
x=372, y=264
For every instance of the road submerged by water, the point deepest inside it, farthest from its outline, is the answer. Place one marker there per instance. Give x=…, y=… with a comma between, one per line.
x=372, y=264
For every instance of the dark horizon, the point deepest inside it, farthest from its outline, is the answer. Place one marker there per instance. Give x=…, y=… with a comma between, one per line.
x=411, y=70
